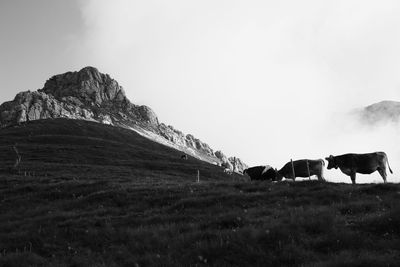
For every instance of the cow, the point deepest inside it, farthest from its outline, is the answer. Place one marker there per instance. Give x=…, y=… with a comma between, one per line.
x=184, y=156
x=351, y=163
x=261, y=173
x=303, y=168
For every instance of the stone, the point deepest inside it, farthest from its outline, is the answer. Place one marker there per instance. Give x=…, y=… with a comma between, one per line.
x=224, y=160
x=148, y=115
x=237, y=164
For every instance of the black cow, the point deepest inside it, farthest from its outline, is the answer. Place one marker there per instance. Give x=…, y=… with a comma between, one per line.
x=184, y=156
x=261, y=173
x=303, y=168
x=350, y=164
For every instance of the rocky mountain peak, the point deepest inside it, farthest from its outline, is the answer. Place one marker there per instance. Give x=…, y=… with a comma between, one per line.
x=381, y=112
x=91, y=95
x=88, y=85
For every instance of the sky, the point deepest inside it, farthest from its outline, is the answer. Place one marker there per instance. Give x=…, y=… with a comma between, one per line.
x=266, y=81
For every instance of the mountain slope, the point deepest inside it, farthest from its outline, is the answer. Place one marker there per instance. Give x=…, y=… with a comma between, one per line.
x=73, y=148
x=93, y=96
x=89, y=194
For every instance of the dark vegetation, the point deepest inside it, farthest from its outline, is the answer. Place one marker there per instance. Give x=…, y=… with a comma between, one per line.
x=87, y=194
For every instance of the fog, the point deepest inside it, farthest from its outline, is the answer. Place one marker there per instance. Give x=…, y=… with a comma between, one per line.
x=266, y=81
x=261, y=80
x=348, y=134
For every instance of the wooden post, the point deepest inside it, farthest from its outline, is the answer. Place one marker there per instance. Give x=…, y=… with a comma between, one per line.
x=308, y=170
x=18, y=158
x=293, y=173
x=198, y=176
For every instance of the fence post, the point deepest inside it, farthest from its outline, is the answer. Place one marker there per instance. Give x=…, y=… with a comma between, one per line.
x=293, y=173
x=308, y=170
x=198, y=176
x=18, y=158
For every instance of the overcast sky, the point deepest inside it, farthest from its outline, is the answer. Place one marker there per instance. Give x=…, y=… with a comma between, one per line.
x=263, y=80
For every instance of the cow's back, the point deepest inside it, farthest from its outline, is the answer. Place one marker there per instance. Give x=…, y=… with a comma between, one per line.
x=352, y=159
x=362, y=163
x=302, y=168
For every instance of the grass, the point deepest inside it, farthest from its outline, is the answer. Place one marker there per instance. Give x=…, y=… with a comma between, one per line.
x=104, y=196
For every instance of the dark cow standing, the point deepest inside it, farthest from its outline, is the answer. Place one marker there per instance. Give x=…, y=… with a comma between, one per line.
x=315, y=167
x=261, y=173
x=350, y=164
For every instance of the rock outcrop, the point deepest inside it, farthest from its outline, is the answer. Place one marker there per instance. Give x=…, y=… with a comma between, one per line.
x=188, y=140
x=237, y=164
x=88, y=85
x=225, y=162
x=28, y=106
x=91, y=95
x=87, y=94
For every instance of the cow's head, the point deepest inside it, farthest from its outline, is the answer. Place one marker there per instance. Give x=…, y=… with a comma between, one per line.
x=331, y=162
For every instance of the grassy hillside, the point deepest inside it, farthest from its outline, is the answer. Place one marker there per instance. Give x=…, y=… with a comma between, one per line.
x=103, y=196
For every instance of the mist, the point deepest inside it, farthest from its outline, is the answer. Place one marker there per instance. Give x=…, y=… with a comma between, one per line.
x=349, y=134
x=261, y=80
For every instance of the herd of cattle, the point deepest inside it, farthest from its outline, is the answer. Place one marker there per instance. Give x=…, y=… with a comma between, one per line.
x=349, y=164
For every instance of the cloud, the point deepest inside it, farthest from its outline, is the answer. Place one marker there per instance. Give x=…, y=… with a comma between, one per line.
x=262, y=80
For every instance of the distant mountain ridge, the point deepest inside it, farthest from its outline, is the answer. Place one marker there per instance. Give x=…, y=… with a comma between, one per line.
x=94, y=96
x=384, y=111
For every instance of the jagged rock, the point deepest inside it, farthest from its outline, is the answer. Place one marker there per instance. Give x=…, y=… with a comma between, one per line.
x=195, y=143
x=88, y=85
x=86, y=94
x=224, y=160
x=173, y=135
x=91, y=95
x=238, y=164
x=28, y=106
x=105, y=119
x=148, y=115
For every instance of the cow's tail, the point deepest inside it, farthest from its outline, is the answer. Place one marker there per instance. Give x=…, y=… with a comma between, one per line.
x=387, y=160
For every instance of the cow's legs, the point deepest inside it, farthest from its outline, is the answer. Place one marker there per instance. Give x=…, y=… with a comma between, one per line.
x=353, y=177
x=382, y=172
x=320, y=178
